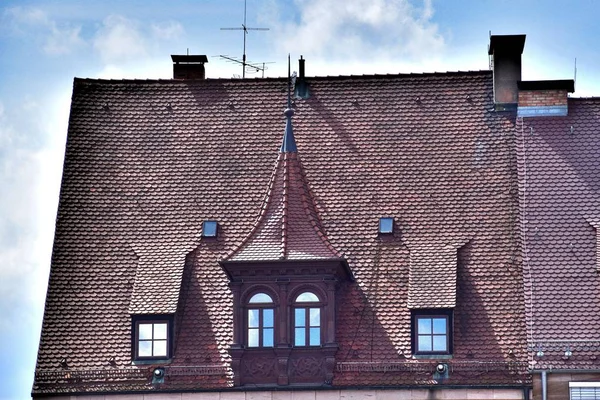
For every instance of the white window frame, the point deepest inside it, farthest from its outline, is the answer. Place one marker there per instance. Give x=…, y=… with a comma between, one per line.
x=584, y=390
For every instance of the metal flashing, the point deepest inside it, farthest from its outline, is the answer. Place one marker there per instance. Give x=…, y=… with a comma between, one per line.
x=543, y=111
x=289, y=143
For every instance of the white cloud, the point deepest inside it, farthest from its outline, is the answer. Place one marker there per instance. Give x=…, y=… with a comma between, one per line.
x=55, y=38
x=122, y=42
x=119, y=40
x=167, y=30
x=32, y=135
x=361, y=29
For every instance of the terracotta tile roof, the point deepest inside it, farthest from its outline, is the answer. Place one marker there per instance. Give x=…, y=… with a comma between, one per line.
x=288, y=227
x=147, y=161
x=559, y=174
x=432, y=268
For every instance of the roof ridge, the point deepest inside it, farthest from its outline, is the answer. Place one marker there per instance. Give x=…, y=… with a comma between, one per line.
x=282, y=78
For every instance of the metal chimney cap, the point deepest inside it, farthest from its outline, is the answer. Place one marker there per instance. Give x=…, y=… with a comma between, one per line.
x=189, y=59
x=506, y=44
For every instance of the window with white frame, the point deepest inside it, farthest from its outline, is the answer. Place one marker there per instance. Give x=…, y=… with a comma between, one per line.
x=152, y=339
x=584, y=390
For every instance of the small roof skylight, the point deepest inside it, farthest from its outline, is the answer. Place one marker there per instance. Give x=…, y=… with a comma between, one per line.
x=209, y=229
x=386, y=225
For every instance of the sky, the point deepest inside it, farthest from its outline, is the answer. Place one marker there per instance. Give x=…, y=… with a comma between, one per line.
x=45, y=44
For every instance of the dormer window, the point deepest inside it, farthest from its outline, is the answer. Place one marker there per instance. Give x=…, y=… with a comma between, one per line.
x=307, y=320
x=209, y=229
x=152, y=337
x=432, y=332
x=386, y=225
x=261, y=321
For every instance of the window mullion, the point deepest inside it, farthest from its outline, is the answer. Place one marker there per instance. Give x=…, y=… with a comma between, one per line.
x=307, y=325
x=261, y=342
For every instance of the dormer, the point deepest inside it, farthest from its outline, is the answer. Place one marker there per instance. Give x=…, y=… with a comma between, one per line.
x=284, y=276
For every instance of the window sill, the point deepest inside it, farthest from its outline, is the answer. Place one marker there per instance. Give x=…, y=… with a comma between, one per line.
x=432, y=356
x=152, y=361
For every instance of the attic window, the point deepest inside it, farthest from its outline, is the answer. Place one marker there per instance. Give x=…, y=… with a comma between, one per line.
x=386, y=225
x=432, y=332
x=209, y=229
x=152, y=337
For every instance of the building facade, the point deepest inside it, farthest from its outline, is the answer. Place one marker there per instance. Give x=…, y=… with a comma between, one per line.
x=367, y=242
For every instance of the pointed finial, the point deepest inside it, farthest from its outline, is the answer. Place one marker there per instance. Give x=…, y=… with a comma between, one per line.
x=289, y=143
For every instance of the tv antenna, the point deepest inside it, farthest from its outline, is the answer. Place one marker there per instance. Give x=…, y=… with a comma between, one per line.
x=252, y=68
x=245, y=28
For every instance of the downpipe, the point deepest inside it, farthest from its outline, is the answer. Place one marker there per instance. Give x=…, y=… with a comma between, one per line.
x=544, y=385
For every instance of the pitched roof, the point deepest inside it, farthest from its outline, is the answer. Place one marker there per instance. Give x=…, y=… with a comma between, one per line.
x=288, y=226
x=559, y=178
x=147, y=161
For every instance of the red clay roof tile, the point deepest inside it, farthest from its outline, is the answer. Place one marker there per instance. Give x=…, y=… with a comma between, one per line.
x=147, y=161
x=559, y=177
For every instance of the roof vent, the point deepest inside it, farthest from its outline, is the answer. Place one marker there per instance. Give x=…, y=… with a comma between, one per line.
x=505, y=52
x=188, y=67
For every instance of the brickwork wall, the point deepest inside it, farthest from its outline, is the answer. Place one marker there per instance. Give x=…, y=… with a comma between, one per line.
x=528, y=98
x=406, y=394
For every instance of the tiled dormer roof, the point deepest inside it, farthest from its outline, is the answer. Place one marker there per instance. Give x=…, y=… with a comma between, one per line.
x=288, y=226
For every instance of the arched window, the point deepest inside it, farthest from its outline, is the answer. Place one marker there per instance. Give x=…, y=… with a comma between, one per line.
x=307, y=320
x=261, y=321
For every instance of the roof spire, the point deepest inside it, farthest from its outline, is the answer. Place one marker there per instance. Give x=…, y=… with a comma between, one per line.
x=289, y=143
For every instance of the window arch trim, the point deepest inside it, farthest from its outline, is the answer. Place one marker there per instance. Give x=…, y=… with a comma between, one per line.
x=247, y=294
x=314, y=289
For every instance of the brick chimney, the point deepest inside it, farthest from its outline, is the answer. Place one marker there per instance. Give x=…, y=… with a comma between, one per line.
x=506, y=51
x=189, y=67
x=544, y=98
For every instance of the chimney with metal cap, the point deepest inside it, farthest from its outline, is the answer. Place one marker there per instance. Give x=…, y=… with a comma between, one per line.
x=301, y=86
x=506, y=51
x=188, y=66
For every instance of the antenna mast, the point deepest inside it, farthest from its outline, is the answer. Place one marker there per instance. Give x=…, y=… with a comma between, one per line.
x=245, y=29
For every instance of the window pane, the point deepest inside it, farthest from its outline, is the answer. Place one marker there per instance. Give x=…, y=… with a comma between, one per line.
x=386, y=225
x=209, y=228
x=439, y=343
x=160, y=348
x=299, y=339
x=252, y=337
x=268, y=318
x=315, y=317
x=145, y=331
x=424, y=325
x=307, y=297
x=439, y=325
x=424, y=343
x=253, y=318
x=145, y=348
x=315, y=336
x=268, y=337
x=160, y=331
x=300, y=319
x=261, y=298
